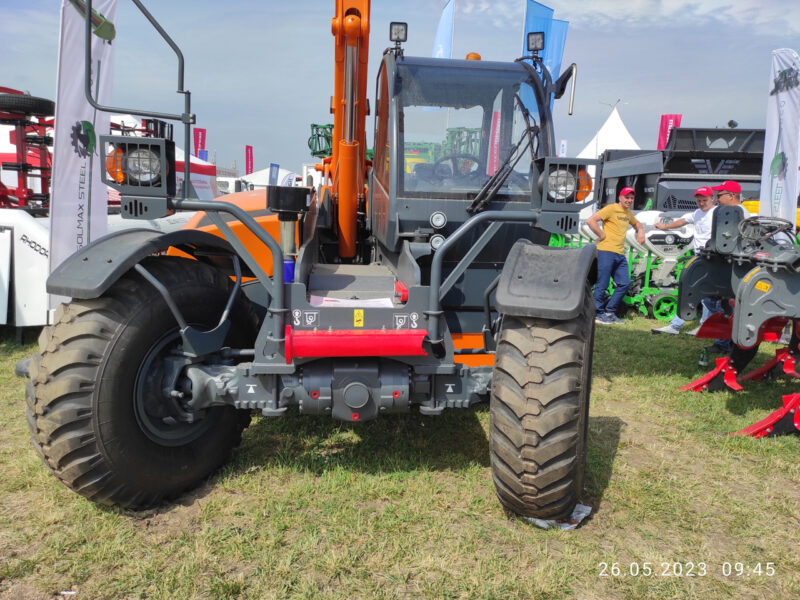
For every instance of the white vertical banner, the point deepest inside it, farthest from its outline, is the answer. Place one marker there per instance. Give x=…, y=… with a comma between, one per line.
x=79, y=205
x=780, y=172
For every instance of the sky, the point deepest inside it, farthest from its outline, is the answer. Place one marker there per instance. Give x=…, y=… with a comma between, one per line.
x=261, y=72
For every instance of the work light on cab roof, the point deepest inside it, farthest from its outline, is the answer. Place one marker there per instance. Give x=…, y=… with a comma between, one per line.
x=536, y=42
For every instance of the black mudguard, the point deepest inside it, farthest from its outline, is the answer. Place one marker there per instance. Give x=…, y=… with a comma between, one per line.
x=706, y=276
x=544, y=282
x=93, y=269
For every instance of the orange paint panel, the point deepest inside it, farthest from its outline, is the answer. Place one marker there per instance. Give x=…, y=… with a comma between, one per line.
x=462, y=341
x=474, y=360
x=251, y=201
x=467, y=340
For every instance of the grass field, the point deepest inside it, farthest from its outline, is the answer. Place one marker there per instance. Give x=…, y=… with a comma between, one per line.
x=403, y=507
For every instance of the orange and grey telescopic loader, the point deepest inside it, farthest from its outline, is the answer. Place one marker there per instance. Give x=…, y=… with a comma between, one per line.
x=399, y=284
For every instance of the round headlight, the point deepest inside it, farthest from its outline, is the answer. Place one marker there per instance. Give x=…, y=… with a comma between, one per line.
x=561, y=185
x=143, y=167
x=670, y=239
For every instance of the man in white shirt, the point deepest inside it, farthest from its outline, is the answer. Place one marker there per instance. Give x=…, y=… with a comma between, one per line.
x=701, y=219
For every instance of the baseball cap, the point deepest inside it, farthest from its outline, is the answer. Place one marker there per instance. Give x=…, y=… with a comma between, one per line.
x=704, y=191
x=728, y=186
x=627, y=191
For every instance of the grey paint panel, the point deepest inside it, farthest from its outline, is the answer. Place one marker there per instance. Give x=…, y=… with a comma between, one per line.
x=92, y=270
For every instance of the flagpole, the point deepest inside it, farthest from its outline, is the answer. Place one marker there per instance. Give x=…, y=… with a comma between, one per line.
x=453, y=30
x=452, y=41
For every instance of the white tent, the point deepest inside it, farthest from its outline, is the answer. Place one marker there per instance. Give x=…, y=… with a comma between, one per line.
x=260, y=179
x=612, y=135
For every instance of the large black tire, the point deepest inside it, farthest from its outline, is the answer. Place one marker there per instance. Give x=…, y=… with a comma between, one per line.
x=539, y=412
x=27, y=105
x=94, y=405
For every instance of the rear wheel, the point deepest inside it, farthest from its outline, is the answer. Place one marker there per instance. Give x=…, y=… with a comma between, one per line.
x=27, y=105
x=539, y=412
x=96, y=405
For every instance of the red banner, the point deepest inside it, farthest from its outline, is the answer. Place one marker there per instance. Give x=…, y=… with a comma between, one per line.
x=494, y=144
x=667, y=123
x=199, y=140
x=248, y=160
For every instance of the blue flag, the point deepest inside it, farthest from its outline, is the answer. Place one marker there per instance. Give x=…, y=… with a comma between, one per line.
x=443, y=43
x=273, y=173
x=539, y=17
x=554, y=47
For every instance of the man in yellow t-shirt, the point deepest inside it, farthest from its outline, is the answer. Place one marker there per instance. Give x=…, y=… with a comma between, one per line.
x=611, y=261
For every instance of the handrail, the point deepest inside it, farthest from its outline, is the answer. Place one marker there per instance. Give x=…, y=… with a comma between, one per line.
x=187, y=118
x=277, y=296
x=434, y=305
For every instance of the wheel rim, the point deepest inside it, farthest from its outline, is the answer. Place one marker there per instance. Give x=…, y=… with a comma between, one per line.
x=665, y=308
x=151, y=405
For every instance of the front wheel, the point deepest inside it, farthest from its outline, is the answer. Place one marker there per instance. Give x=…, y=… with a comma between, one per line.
x=98, y=403
x=539, y=412
x=665, y=306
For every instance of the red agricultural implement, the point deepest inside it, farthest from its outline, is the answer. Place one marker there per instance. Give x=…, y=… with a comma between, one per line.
x=748, y=263
x=31, y=119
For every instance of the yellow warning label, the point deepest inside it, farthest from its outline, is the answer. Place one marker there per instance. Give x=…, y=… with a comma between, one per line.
x=358, y=317
x=763, y=286
x=751, y=273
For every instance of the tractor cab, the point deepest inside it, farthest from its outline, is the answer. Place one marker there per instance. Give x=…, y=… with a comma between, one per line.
x=470, y=118
x=454, y=137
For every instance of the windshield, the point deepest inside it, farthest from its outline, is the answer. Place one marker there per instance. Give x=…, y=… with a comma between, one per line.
x=457, y=127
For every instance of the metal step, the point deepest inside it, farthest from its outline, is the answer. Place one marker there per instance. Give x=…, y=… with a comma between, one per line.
x=352, y=282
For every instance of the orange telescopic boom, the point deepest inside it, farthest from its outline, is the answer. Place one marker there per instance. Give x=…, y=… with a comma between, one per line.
x=345, y=170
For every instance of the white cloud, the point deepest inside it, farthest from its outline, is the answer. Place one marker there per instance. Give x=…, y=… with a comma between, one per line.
x=763, y=17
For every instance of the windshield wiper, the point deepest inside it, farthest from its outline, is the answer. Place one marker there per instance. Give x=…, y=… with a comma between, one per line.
x=489, y=189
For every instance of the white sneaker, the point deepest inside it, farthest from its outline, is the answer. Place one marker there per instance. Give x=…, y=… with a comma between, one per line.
x=693, y=331
x=666, y=329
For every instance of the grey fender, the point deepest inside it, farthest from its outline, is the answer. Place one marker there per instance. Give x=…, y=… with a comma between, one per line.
x=550, y=283
x=762, y=295
x=93, y=269
x=704, y=276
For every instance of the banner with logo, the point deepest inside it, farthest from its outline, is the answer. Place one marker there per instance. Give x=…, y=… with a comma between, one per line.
x=248, y=160
x=668, y=122
x=443, y=42
x=78, y=206
x=199, y=140
x=780, y=170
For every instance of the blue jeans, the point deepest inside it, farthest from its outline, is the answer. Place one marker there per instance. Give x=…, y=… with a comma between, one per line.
x=709, y=308
x=610, y=265
x=677, y=323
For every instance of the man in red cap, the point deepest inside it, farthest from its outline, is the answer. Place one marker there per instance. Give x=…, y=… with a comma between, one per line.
x=729, y=193
x=611, y=262
x=701, y=219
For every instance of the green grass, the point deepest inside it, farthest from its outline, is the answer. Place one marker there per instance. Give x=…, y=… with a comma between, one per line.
x=403, y=507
